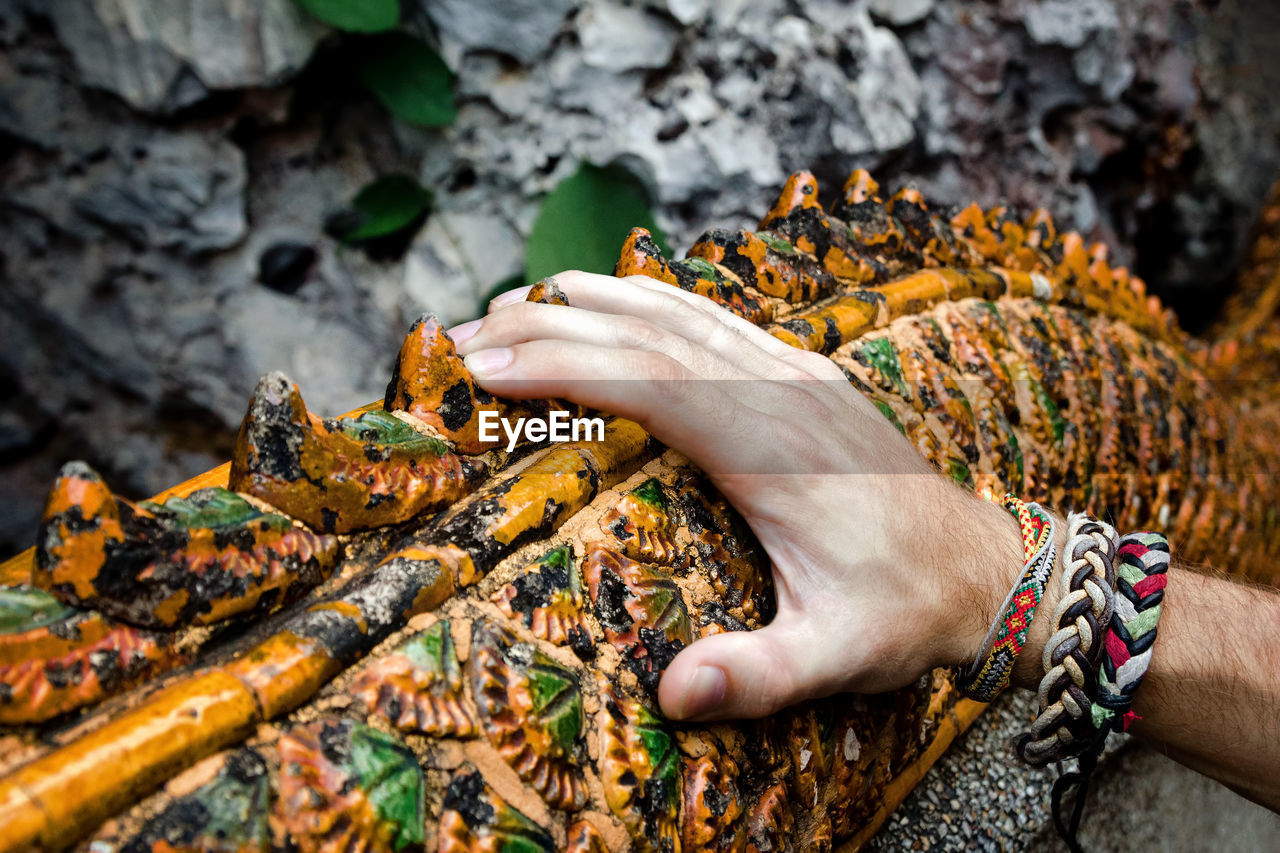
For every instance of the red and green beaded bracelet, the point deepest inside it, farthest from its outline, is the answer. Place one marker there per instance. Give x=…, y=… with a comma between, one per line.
x=990, y=672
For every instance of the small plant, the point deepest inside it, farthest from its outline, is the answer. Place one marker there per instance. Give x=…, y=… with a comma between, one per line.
x=584, y=220
x=411, y=80
x=355, y=16
x=403, y=72
x=383, y=216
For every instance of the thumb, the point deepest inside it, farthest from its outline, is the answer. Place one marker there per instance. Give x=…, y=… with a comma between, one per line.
x=741, y=674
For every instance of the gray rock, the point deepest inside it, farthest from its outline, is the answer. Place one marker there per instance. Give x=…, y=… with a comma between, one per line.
x=165, y=56
x=624, y=37
x=182, y=192
x=887, y=90
x=899, y=13
x=12, y=21
x=457, y=260
x=336, y=367
x=1069, y=22
x=522, y=29
x=688, y=12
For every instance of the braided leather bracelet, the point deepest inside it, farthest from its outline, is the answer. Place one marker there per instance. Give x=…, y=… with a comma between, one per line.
x=1073, y=654
x=989, y=673
x=1142, y=563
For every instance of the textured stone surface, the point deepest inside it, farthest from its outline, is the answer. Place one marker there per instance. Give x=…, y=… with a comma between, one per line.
x=154, y=154
x=978, y=797
x=521, y=29
x=167, y=56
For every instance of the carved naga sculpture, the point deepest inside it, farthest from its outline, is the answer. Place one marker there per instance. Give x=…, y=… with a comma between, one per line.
x=386, y=635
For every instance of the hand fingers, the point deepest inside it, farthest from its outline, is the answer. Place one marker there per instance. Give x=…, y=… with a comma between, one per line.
x=745, y=674
x=509, y=297
x=530, y=321
x=713, y=428
x=688, y=315
x=693, y=322
x=757, y=336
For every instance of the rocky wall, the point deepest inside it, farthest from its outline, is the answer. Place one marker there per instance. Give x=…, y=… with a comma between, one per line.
x=167, y=169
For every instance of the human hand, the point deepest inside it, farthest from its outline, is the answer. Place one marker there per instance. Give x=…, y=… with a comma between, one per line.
x=882, y=568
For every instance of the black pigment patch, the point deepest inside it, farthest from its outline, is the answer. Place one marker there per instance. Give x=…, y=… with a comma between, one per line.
x=535, y=588
x=611, y=602
x=274, y=438
x=335, y=741
x=466, y=796
x=328, y=519
x=802, y=329
x=714, y=613
x=660, y=652
x=455, y=406
x=831, y=338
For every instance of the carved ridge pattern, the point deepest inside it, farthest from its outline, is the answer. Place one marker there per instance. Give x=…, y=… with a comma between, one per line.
x=419, y=687
x=198, y=559
x=342, y=475
x=476, y=820
x=346, y=788
x=642, y=611
x=1010, y=355
x=643, y=524
x=641, y=772
x=727, y=553
x=54, y=659
x=547, y=597
x=711, y=817
x=531, y=708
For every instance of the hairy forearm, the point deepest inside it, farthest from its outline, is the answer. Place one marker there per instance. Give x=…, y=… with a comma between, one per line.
x=1211, y=698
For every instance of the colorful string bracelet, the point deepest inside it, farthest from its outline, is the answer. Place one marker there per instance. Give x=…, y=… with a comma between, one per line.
x=1142, y=564
x=990, y=671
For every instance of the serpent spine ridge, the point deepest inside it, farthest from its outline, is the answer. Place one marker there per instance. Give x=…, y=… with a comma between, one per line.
x=382, y=634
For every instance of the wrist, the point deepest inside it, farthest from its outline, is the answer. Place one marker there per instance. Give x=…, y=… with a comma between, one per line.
x=982, y=573
x=985, y=575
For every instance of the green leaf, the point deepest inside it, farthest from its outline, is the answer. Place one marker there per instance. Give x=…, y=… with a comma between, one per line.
x=214, y=507
x=888, y=412
x=25, y=608
x=355, y=16
x=583, y=222
x=411, y=80
x=389, y=204
x=650, y=492
x=391, y=778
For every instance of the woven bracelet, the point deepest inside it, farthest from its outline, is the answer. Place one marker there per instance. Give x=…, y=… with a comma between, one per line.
x=1142, y=563
x=989, y=673
x=1064, y=725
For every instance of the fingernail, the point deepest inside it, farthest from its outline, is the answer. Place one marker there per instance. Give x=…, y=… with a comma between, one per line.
x=487, y=362
x=464, y=331
x=704, y=692
x=517, y=295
